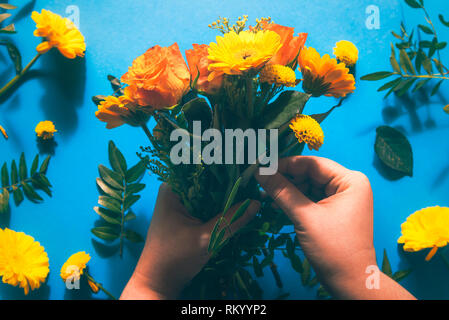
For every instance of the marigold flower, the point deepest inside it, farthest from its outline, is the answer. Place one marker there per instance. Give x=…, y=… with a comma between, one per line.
x=279, y=75
x=291, y=45
x=93, y=286
x=159, y=78
x=235, y=53
x=45, y=130
x=346, y=52
x=426, y=228
x=197, y=59
x=324, y=76
x=113, y=111
x=23, y=261
x=308, y=130
x=58, y=32
x=74, y=267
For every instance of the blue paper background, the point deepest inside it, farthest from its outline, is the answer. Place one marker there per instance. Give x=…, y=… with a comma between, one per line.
x=116, y=32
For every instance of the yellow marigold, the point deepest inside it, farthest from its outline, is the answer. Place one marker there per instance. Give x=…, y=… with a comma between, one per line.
x=279, y=75
x=346, y=52
x=113, y=111
x=237, y=53
x=74, y=267
x=59, y=33
x=45, y=130
x=93, y=286
x=23, y=261
x=426, y=228
x=324, y=76
x=308, y=130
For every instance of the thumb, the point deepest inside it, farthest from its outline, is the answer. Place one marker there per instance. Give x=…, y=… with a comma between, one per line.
x=248, y=215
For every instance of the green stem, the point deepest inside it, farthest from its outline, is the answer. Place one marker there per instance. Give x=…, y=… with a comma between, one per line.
x=242, y=284
x=122, y=223
x=14, y=80
x=434, y=31
x=249, y=96
x=100, y=286
x=147, y=132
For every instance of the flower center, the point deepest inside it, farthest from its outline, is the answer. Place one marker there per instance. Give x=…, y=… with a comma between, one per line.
x=245, y=54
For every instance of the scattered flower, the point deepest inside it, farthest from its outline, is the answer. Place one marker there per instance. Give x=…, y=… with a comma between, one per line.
x=45, y=130
x=308, y=130
x=446, y=109
x=426, y=228
x=23, y=261
x=74, y=267
x=324, y=76
x=3, y=131
x=279, y=75
x=346, y=52
x=236, y=54
x=199, y=63
x=291, y=45
x=58, y=32
x=93, y=286
x=159, y=78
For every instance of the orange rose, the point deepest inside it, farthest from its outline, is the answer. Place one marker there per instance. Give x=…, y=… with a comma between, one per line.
x=159, y=78
x=291, y=45
x=198, y=61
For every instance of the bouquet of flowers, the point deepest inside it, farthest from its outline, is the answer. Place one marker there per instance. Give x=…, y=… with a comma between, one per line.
x=221, y=116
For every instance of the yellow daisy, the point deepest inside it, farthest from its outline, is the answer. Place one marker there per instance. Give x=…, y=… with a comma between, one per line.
x=58, y=32
x=346, y=52
x=308, y=130
x=324, y=76
x=278, y=75
x=23, y=261
x=45, y=130
x=74, y=267
x=426, y=228
x=237, y=53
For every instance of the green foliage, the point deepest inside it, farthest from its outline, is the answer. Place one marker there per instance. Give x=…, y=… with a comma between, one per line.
x=386, y=268
x=118, y=193
x=394, y=150
x=419, y=59
x=21, y=183
x=3, y=16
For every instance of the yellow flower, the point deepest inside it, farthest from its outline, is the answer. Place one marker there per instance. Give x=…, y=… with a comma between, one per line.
x=23, y=261
x=93, y=286
x=59, y=33
x=346, y=52
x=74, y=266
x=308, y=130
x=45, y=130
x=278, y=75
x=426, y=228
x=324, y=76
x=238, y=53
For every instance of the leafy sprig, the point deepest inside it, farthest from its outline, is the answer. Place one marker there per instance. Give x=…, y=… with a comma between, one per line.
x=3, y=16
x=119, y=190
x=20, y=183
x=415, y=65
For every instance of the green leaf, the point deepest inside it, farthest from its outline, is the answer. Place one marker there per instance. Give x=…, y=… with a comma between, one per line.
x=436, y=88
x=413, y=3
x=4, y=16
x=420, y=84
x=232, y=195
x=284, y=108
x=34, y=165
x=296, y=263
x=117, y=160
x=390, y=84
x=394, y=150
x=130, y=200
x=7, y=6
x=130, y=216
x=108, y=190
x=39, y=183
x=401, y=275
x=18, y=196
x=44, y=165
x=257, y=267
x=136, y=172
x=106, y=233
x=133, y=236
x=30, y=193
x=112, y=178
x=443, y=21
x=23, y=172
x=9, y=29
x=134, y=188
x=198, y=110
x=425, y=29
x=4, y=201
x=240, y=211
x=5, y=176
x=406, y=64
x=110, y=203
x=305, y=276
x=213, y=234
x=393, y=61
x=107, y=215
x=14, y=173
x=15, y=56
x=377, y=76
x=386, y=266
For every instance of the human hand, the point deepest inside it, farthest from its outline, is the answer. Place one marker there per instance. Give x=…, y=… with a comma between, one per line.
x=331, y=208
x=176, y=248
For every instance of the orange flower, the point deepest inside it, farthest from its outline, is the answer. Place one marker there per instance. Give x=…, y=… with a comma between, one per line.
x=113, y=111
x=159, y=78
x=198, y=62
x=291, y=45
